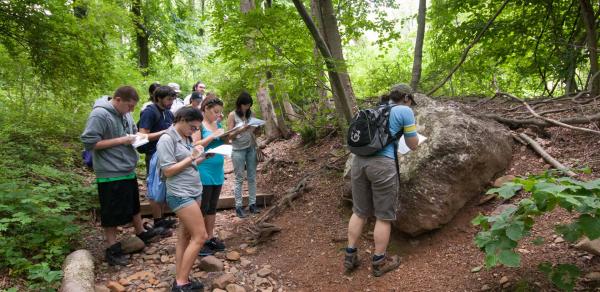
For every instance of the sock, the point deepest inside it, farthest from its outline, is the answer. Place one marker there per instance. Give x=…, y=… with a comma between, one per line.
x=351, y=249
x=378, y=257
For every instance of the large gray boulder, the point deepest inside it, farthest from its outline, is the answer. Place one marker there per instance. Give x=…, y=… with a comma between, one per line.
x=461, y=155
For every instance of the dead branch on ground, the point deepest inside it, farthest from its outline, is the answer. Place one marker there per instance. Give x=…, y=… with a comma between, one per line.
x=538, y=148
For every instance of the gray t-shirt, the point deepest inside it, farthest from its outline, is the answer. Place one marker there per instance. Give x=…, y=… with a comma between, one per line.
x=187, y=182
x=244, y=139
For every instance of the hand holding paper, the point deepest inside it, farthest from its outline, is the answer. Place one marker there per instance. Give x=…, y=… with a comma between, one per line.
x=140, y=139
x=224, y=149
x=403, y=148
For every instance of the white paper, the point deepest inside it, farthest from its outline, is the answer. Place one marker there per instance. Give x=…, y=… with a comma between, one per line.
x=140, y=140
x=254, y=122
x=403, y=148
x=224, y=149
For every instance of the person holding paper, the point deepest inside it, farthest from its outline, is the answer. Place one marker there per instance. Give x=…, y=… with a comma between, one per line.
x=244, y=152
x=108, y=134
x=375, y=189
x=178, y=159
x=211, y=170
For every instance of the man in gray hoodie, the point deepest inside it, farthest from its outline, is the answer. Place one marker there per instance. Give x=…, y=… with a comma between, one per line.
x=109, y=133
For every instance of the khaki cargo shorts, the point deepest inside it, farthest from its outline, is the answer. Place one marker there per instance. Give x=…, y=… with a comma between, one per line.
x=374, y=187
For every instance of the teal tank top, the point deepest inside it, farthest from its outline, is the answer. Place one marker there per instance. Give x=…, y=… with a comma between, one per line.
x=211, y=170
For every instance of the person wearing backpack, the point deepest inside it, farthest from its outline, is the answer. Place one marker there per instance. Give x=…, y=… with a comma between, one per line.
x=109, y=133
x=178, y=159
x=154, y=121
x=375, y=176
x=211, y=170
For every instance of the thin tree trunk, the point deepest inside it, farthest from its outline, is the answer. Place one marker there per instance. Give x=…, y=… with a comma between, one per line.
x=281, y=124
x=141, y=37
x=290, y=113
x=246, y=5
x=344, y=106
x=321, y=90
x=587, y=13
x=267, y=111
x=334, y=42
x=418, y=59
x=468, y=48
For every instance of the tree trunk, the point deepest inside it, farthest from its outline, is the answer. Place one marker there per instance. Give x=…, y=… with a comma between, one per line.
x=141, y=37
x=290, y=113
x=246, y=5
x=283, y=128
x=587, y=13
x=343, y=104
x=321, y=90
x=334, y=42
x=418, y=58
x=267, y=111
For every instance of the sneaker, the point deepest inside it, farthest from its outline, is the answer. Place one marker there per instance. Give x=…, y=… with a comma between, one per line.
x=206, y=251
x=253, y=209
x=189, y=287
x=148, y=235
x=215, y=244
x=193, y=283
x=114, y=255
x=240, y=212
x=385, y=265
x=165, y=223
x=351, y=261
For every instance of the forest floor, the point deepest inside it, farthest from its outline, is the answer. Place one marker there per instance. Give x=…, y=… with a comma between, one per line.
x=307, y=254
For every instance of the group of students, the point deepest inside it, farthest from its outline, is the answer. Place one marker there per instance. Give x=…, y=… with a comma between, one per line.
x=179, y=138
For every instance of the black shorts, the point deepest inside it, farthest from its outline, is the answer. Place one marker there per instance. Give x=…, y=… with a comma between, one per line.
x=119, y=201
x=210, y=199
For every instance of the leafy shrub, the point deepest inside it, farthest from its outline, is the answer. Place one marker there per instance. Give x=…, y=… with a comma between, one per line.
x=317, y=126
x=501, y=233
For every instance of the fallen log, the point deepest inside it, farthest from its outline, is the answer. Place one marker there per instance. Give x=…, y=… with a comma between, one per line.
x=538, y=148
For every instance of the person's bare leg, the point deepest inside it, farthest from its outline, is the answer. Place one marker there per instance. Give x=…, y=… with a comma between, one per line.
x=137, y=223
x=156, y=209
x=183, y=239
x=381, y=235
x=111, y=235
x=209, y=223
x=355, y=227
x=193, y=222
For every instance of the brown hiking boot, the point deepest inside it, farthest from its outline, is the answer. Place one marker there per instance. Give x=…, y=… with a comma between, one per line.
x=385, y=265
x=351, y=261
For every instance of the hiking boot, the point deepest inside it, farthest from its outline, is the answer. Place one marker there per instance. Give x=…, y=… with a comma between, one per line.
x=192, y=286
x=240, y=212
x=385, y=265
x=351, y=261
x=206, y=251
x=114, y=255
x=215, y=244
x=165, y=223
x=148, y=235
x=193, y=283
x=253, y=209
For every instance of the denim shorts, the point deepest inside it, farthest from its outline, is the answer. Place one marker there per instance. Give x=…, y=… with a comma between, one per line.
x=176, y=203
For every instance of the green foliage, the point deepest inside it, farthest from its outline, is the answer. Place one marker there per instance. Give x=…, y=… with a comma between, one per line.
x=501, y=233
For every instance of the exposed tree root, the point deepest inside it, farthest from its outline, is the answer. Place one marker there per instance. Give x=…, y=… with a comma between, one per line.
x=538, y=148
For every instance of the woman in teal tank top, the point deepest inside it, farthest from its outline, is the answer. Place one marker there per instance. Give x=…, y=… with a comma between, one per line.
x=211, y=170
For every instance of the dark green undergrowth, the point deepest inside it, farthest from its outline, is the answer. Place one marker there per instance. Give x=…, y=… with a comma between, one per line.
x=41, y=201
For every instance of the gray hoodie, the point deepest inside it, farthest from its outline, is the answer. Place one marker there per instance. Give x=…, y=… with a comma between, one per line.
x=104, y=123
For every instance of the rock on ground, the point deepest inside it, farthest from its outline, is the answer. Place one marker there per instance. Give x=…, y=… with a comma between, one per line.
x=78, y=272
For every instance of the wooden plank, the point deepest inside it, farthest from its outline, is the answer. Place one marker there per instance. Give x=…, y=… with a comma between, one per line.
x=225, y=202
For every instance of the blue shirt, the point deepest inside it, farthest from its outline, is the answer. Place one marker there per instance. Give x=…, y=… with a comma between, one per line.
x=155, y=120
x=211, y=169
x=401, y=117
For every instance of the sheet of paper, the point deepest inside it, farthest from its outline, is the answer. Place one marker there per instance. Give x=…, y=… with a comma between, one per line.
x=224, y=149
x=403, y=148
x=254, y=122
x=140, y=140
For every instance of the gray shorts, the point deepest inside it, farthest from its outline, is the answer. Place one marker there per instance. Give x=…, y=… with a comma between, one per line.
x=374, y=187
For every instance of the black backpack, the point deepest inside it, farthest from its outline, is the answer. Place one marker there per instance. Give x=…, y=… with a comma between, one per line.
x=369, y=131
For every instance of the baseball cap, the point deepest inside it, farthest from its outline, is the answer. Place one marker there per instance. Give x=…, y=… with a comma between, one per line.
x=405, y=90
x=175, y=87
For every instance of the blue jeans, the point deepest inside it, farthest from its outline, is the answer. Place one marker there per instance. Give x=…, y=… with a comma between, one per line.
x=244, y=158
x=176, y=203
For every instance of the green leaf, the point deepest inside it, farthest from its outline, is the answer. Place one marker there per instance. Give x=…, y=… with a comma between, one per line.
x=564, y=276
x=507, y=190
x=491, y=260
x=570, y=232
x=516, y=231
x=509, y=258
x=479, y=220
x=590, y=226
x=538, y=240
